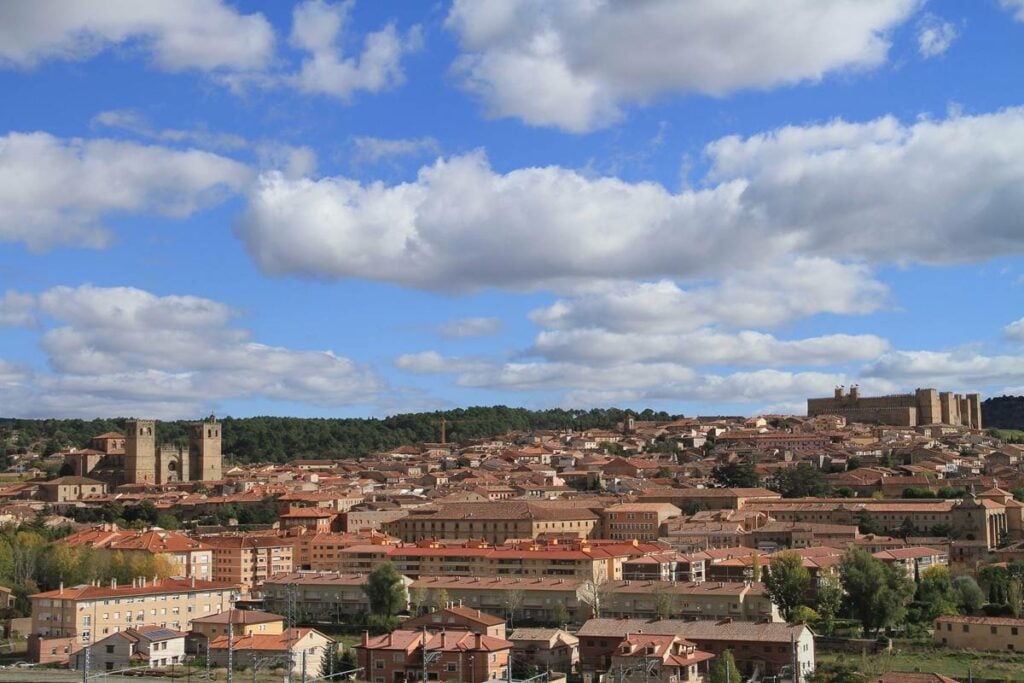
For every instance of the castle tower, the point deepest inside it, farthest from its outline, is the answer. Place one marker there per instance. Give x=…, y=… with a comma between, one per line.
x=974, y=400
x=204, y=450
x=950, y=404
x=928, y=409
x=140, y=452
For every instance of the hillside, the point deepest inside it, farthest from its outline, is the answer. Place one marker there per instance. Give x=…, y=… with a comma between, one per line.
x=1003, y=412
x=279, y=439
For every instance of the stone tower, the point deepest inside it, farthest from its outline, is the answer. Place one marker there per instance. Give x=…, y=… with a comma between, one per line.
x=204, y=450
x=140, y=452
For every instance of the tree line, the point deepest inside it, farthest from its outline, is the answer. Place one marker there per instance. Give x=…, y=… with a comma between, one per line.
x=280, y=439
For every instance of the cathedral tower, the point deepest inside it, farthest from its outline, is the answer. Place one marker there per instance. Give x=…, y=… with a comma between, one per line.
x=140, y=452
x=204, y=450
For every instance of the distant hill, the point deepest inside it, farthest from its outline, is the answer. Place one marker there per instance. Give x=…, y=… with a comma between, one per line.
x=280, y=439
x=1003, y=412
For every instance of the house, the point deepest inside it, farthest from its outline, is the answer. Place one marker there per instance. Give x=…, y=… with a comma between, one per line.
x=459, y=618
x=71, y=489
x=980, y=633
x=546, y=648
x=243, y=622
x=149, y=646
x=665, y=658
x=449, y=655
x=305, y=648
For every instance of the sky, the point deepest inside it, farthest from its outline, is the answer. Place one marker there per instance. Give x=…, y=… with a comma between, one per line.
x=364, y=208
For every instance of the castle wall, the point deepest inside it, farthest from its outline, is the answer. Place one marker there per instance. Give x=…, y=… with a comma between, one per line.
x=924, y=406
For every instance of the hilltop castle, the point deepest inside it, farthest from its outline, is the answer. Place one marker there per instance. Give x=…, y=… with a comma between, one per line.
x=923, y=407
x=133, y=457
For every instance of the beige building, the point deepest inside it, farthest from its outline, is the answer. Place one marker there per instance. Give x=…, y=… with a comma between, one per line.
x=244, y=622
x=152, y=646
x=318, y=596
x=494, y=522
x=247, y=560
x=71, y=489
x=306, y=648
x=641, y=521
x=980, y=633
x=82, y=614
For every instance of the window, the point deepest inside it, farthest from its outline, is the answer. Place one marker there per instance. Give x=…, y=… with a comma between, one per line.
x=110, y=649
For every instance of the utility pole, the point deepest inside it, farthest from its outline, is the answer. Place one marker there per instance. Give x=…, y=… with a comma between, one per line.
x=303, y=665
x=231, y=646
x=87, y=656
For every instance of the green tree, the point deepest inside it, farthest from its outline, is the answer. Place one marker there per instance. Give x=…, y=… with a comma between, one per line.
x=970, y=597
x=561, y=614
x=936, y=594
x=801, y=481
x=169, y=522
x=867, y=524
x=829, y=600
x=385, y=589
x=736, y=475
x=724, y=669
x=787, y=581
x=878, y=594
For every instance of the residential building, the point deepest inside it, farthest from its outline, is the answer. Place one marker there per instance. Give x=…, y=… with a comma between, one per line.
x=641, y=521
x=450, y=655
x=154, y=647
x=305, y=648
x=980, y=633
x=645, y=658
x=552, y=649
x=494, y=522
x=247, y=560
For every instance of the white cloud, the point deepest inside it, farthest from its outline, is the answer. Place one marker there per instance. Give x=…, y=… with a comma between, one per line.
x=470, y=327
x=317, y=28
x=955, y=370
x=704, y=347
x=1015, y=330
x=432, y=362
x=184, y=34
x=1016, y=6
x=875, y=192
x=762, y=297
x=17, y=310
x=55, y=191
x=372, y=150
x=576, y=64
x=118, y=347
x=133, y=122
x=934, y=36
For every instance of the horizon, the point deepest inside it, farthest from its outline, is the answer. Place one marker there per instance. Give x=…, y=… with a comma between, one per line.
x=368, y=209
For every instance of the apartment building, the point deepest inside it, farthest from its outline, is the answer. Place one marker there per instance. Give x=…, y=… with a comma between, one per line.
x=318, y=596
x=576, y=558
x=68, y=618
x=185, y=556
x=641, y=521
x=247, y=560
x=495, y=522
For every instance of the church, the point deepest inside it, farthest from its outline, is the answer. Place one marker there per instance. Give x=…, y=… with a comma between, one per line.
x=134, y=458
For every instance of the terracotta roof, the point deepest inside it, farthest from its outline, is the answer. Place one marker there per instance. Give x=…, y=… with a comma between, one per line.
x=158, y=587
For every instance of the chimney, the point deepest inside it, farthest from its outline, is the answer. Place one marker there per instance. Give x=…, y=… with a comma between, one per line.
x=366, y=638
x=113, y=583
x=62, y=588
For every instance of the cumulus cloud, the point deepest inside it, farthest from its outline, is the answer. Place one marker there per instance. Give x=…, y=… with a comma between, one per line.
x=372, y=150
x=1016, y=6
x=958, y=369
x=873, y=192
x=55, y=191
x=318, y=27
x=934, y=35
x=575, y=65
x=17, y=309
x=133, y=122
x=185, y=34
x=762, y=297
x=470, y=327
x=1015, y=330
x=112, y=348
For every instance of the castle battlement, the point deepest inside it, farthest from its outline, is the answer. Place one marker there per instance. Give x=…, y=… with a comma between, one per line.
x=924, y=406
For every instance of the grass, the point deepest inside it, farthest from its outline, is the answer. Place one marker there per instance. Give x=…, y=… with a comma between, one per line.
x=953, y=663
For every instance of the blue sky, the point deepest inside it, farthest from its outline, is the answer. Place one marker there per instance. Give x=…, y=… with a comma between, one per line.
x=362, y=208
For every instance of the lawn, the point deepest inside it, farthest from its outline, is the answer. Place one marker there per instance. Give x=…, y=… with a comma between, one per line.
x=954, y=663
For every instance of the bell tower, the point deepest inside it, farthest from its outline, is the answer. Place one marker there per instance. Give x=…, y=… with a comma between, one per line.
x=140, y=452
x=204, y=450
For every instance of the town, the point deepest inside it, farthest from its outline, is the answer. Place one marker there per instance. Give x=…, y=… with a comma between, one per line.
x=693, y=549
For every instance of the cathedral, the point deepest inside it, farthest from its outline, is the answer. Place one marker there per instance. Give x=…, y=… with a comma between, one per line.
x=134, y=458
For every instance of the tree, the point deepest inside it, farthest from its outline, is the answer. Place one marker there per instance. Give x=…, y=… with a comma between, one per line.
x=755, y=567
x=878, y=593
x=830, y=600
x=514, y=598
x=736, y=475
x=440, y=600
x=936, y=594
x=970, y=597
x=867, y=524
x=561, y=614
x=664, y=603
x=801, y=481
x=787, y=581
x=417, y=599
x=592, y=593
x=385, y=589
x=169, y=522
x=907, y=528
x=724, y=669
